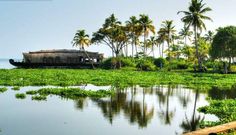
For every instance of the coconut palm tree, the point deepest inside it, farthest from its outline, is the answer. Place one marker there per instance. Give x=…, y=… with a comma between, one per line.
x=132, y=26
x=168, y=29
x=186, y=34
x=209, y=36
x=147, y=26
x=195, y=17
x=81, y=40
x=151, y=43
x=161, y=40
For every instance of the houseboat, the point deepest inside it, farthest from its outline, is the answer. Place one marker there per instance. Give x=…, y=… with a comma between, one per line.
x=60, y=58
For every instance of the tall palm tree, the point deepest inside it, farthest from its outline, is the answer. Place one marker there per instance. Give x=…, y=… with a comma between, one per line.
x=81, y=40
x=186, y=34
x=195, y=17
x=151, y=43
x=161, y=40
x=147, y=26
x=132, y=26
x=168, y=29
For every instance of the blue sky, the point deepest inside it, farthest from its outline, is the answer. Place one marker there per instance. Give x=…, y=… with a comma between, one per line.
x=51, y=24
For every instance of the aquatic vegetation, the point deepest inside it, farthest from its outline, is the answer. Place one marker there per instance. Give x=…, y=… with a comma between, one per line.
x=20, y=96
x=39, y=97
x=15, y=88
x=225, y=110
x=72, y=93
x=31, y=92
x=69, y=77
x=3, y=89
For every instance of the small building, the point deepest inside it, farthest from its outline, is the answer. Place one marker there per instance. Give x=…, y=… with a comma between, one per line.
x=59, y=58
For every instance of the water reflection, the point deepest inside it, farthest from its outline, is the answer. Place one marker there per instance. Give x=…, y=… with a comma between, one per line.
x=192, y=124
x=160, y=109
x=218, y=93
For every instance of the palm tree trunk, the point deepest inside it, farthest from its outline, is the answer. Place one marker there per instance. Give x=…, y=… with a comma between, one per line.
x=196, y=46
x=153, y=51
x=162, y=50
x=91, y=61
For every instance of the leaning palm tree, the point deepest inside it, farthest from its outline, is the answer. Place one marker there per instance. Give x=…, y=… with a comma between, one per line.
x=168, y=29
x=186, y=34
x=195, y=17
x=161, y=40
x=147, y=26
x=81, y=40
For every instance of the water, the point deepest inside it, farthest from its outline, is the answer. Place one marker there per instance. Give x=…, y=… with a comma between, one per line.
x=135, y=111
x=4, y=64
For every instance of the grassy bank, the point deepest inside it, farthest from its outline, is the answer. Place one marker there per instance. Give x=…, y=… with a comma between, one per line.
x=66, y=77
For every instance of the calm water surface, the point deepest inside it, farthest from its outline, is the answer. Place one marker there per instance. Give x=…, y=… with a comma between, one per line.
x=159, y=110
x=4, y=64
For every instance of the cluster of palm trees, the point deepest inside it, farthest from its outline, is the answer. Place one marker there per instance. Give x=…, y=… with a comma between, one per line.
x=139, y=35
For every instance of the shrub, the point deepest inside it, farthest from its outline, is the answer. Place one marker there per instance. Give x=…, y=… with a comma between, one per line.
x=112, y=63
x=160, y=62
x=178, y=64
x=145, y=65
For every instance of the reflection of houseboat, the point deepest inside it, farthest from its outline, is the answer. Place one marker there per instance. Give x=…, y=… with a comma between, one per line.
x=59, y=58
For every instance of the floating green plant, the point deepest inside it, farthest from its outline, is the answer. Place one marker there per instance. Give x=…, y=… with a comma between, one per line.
x=31, y=92
x=72, y=93
x=39, y=97
x=20, y=96
x=3, y=89
x=16, y=88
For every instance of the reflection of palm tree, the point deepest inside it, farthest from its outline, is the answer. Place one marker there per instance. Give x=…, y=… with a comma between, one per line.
x=184, y=97
x=192, y=125
x=80, y=103
x=134, y=110
x=167, y=115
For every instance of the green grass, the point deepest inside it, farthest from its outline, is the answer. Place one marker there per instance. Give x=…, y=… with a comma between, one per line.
x=68, y=77
x=3, y=89
x=20, y=96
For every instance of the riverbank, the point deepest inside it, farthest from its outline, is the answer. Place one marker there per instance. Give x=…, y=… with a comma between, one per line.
x=122, y=78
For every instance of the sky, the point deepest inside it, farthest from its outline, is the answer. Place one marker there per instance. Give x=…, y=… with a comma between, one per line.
x=31, y=25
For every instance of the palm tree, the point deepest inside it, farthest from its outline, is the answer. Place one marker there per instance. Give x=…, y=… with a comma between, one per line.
x=194, y=17
x=132, y=26
x=81, y=40
x=186, y=34
x=147, y=26
x=168, y=29
x=209, y=36
x=151, y=43
x=161, y=40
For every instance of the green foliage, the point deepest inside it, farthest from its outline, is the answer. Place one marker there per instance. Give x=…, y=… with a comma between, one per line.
x=31, y=92
x=160, y=62
x=69, y=77
x=146, y=65
x=39, y=97
x=3, y=89
x=225, y=110
x=20, y=96
x=72, y=93
x=224, y=43
x=112, y=63
x=16, y=88
x=178, y=64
